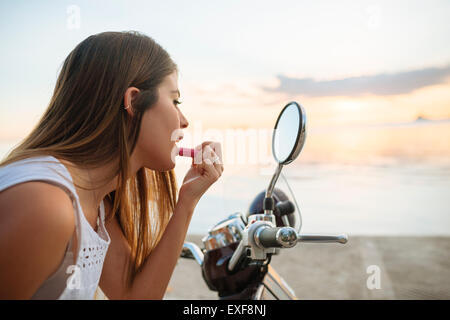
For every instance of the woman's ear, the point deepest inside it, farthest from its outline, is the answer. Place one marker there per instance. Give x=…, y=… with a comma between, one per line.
x=130, y=96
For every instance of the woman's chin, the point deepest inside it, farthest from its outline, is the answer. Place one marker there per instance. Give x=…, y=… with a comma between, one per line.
x=162, y=167
x=172, y=166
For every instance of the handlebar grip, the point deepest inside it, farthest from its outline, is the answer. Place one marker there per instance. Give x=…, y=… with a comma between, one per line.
x=268, y=237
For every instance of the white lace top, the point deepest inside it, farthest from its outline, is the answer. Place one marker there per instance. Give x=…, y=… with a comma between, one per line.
x=70, y=281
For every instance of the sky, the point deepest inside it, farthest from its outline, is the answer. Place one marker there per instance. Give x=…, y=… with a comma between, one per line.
x=349, y=63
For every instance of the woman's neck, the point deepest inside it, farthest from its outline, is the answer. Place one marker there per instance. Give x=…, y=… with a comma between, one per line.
x=91, y=178
x=94, y=179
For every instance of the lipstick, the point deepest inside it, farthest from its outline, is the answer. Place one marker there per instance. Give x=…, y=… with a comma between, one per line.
x=186, y=152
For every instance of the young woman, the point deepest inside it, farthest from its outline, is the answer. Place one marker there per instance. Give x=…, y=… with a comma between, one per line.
x=89, y=198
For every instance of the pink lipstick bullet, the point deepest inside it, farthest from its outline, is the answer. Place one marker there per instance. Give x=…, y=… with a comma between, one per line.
x=186, y=152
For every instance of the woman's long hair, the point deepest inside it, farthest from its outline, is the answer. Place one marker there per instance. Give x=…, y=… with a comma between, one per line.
x=86, y=124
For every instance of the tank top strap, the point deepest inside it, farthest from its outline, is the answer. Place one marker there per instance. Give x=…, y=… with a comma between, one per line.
x=42, y=168
x=102, y=211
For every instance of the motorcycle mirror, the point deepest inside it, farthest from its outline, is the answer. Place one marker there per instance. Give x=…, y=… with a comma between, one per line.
x=289, y=133
x=287, y=141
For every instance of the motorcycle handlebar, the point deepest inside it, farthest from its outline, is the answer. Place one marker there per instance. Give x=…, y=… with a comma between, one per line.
x=281, y=237
x=287, y=237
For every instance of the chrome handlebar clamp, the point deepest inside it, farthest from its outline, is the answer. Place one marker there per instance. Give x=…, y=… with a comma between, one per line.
x=250, y=239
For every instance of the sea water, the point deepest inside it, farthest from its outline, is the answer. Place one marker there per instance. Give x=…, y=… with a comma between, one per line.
x=337, y=198
x=392, y=180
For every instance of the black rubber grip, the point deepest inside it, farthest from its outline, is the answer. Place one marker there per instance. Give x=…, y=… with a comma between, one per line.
x=267, y=237
x=268, y=204
x=283, y=208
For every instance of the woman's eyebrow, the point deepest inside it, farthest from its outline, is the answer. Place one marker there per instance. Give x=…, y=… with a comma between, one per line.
x=176, y=91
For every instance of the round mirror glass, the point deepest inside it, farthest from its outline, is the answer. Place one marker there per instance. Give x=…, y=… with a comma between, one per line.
x=289, y=133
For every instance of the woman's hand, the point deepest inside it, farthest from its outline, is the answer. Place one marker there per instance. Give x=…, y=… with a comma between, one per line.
x=206, y=168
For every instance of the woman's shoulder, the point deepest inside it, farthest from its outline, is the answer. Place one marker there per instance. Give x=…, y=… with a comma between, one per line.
x=36, y=224
x=37, y=200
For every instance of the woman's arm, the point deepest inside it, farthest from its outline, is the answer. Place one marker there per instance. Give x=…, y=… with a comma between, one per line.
x=152, y=281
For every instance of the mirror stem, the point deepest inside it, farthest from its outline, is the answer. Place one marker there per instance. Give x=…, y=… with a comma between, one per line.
x=269, y=190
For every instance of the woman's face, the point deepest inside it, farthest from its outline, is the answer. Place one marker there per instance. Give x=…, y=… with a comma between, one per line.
x=161, y=128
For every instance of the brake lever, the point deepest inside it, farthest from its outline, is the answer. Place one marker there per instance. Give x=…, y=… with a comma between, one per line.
x=287, y=237
x=342, y=238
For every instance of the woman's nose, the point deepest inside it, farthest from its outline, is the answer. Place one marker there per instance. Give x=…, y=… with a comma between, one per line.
x=184, y=123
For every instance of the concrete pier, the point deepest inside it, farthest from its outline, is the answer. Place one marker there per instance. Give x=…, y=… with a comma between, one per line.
x=402, y=268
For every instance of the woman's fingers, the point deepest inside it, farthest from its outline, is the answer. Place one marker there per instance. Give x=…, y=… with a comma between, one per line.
x=217, y=147
x=208, y=156
x=218, y=150
x=213, y=159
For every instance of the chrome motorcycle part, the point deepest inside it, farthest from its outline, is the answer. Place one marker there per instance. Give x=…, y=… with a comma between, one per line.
x=191, y=251
x=225, y=232
x=237, y=254
x=321, y=238
x=261, y=217
x=254, y=251
x=287, y=141
x=289, y=133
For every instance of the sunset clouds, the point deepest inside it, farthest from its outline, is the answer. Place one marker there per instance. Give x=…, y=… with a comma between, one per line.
x=401, y=82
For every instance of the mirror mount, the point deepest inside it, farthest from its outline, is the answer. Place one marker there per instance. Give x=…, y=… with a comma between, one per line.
x=269, y=204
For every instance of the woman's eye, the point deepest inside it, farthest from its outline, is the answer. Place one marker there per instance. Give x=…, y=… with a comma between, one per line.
x=176, y=102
